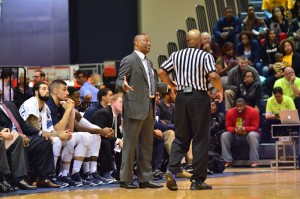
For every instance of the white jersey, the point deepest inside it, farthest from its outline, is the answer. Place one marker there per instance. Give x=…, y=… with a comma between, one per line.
x=31, y=107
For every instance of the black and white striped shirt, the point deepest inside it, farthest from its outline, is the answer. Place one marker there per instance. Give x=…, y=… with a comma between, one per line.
x=191, y=66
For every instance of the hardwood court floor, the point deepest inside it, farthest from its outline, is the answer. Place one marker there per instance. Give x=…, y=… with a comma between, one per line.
x=240, y=183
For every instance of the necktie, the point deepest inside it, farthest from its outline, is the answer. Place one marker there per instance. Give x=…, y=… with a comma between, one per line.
x=151, y=78
x=116, y=126
x=12, y=117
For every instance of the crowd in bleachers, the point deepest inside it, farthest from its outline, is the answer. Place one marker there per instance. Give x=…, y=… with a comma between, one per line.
x=257, y=59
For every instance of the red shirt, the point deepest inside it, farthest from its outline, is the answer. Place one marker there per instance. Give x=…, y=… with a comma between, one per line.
x=250, y=119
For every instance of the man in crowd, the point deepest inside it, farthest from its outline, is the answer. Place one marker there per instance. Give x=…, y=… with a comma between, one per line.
x=110, y=117
x=88, y=92
x=39, y=76
x=104, y=98
x=39, y=146
x=6, y=78
x=235, y=78
x=17, y=157
x=242, y=124
x=227, y=28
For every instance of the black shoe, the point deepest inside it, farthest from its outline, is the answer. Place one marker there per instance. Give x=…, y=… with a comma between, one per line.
x=128, y=185
x=200, y=186
x=10, y=187
x=171, y=181
x=61, y=184
x=24, y=185
x=3, y=188
x=149, y=184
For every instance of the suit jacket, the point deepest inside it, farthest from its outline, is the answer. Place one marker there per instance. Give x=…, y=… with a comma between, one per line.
x=136, y=102
x=104, y=118
x=6, y=122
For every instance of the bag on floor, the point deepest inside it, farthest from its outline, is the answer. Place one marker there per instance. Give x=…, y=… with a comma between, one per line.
x=216, y=163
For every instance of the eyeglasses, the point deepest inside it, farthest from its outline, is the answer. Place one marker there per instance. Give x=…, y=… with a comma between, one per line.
x=36, y=76
x=78, y=77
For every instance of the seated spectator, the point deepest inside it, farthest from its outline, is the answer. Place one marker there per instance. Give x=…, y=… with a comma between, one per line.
x=22, y=92
x=250, y=48
x=217, y=126
x=291, y=57
x=226, y=62
x=249, y=90
x=6, y=78
x=269, y=5
x=104, y=99
x=36, y=113
x=275, y=103
x=242, y=124
x=88, y=92
x=268, y=50
x=81, y=145
x=235, y=78
x=15, y=154
x=227, y=27
x=39, y=76
x=290, y=85
x=278, y=72
x=294, y=30
x=294, y=10
x=39, y=146
x=254, y=24
x=208, y=46
x=111, y=147
x=279, y=22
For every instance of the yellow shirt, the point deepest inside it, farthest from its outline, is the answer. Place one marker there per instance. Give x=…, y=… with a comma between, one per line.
x=288, y=60
x=270, y=4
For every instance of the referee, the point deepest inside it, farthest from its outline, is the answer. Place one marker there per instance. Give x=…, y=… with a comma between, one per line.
x=192, y=68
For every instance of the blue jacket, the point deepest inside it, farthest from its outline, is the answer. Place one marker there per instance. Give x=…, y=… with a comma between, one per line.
x=233, y=27
x=255, y=51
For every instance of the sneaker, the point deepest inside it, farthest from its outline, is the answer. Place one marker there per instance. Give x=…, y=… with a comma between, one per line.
x=171, y=181
x=93, y=181
x=158, y=175
x=70, y=181
x=254, y=164
x=96, y=176
x=200, y=186
x=228, y=164
x=55, y=180
x=77, y=178
x=183, y=174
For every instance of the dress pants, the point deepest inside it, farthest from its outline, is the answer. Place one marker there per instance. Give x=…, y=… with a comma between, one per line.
x=106, y=155
x=40, y=156
x=158, y=153
x=138, y=140
x=192, y=120
x=4, y=168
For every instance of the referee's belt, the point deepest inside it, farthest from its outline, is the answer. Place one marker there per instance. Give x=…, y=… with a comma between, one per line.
x=190, y=89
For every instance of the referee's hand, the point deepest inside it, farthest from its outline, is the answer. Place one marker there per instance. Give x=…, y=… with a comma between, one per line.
x=218, y=96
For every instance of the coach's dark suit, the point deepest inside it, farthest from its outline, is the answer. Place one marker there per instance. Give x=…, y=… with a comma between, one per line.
x=40, y=153
x=104, y=118
x=138, y=120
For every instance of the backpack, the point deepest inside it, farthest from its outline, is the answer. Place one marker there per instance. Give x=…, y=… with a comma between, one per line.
x=216, y=163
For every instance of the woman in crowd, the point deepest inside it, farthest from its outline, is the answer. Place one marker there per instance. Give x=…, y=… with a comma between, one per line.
x=268, y=50
x=275, y=103
x=291, y=58
x=217, y=126
x=250, y=48
x=249, y=90
x=226, y=61
x=279, y=22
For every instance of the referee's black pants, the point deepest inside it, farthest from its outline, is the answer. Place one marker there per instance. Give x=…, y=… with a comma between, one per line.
x=192, y=120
